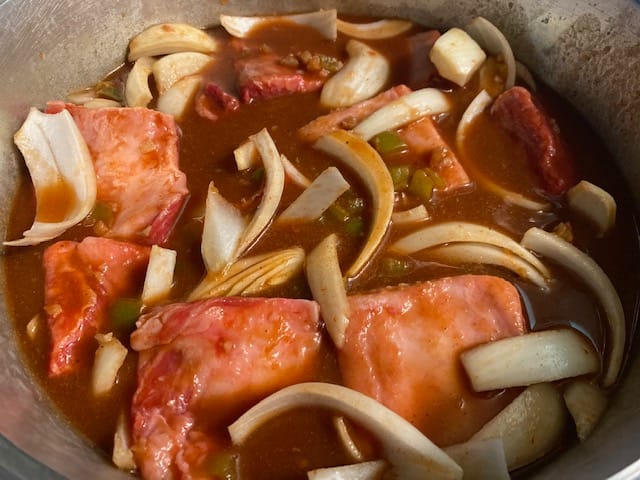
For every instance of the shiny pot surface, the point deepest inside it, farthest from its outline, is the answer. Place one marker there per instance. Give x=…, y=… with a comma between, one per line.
x=588, y=51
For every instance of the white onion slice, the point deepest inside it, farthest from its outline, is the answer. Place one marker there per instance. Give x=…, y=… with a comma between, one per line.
x=524, y=74
x=411, y=454
x=581, y=264
x=449, y=232
x=324, y=21
x=530, y=426
x=345, y=437
x=327, y=287
x=159, y=278
x=586, y=403
x=273, y=188
x=109, y=358
x=411, y=216
x=536, y=357
x=481, y=459
x=385, y=28
x=167, y=38
x=122, y=456
x=594, y=204
x=246, y=155
x=357, y=471
x=493, y=41
x=59, y=163
x=457, y=56
x=102, y=103
x=404, y=110
x=325, y=189
x=176, y=100
x=171, y=68
x=293, y=173
x=367, y=164
x=362, y=77
x=136, y=91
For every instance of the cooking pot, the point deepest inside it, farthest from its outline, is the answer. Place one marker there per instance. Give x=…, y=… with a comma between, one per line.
x=588, y=51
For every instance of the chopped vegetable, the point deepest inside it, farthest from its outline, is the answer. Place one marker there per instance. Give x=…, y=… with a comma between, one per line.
x=377, y=30
x=413, y=215
x=586, y=403
x=223, y=466
x=124, y=312
x=167, y=38
x=357, y=471
x=137, y=92
x=171, y=68
x=389, y=143
x=493, y=41
x=159, y=277
x=594, y=204
x=293, y=173
x=324, y=21
x=246, y=155
x=340, y=424
x=481, y=459
x=457, y=56
x=176, y=100
x=400, y=177
x=109, y=358
x=394, y=267
x=108, y=90
x=122, y=455
x=421, y=185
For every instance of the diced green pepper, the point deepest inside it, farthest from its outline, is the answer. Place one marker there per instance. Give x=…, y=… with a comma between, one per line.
x=389, y=143
x=354, y=226
x=223, y=466
x=400, y=176
x=124, y=312
x=421, y=185
x=108, y=89
x=394, y=267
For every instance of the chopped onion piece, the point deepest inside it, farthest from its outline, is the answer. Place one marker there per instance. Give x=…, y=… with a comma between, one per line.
x=251, y=275
x=523, y=73
x=102, y=103
x=293, y=173
x=313, y=201
x=399, y=112
x=450, y=232
x=530, y=426
x=324, y=21
x=33, y=327
x=469, y=252
x=62, y=173
x=176, y=100
x=594, y=204
x=349, y=445
x=378, y=30
x=171, y=68
x=223, y=227
x=80, y=97
x=327, y=287
x=159, y=278
x=411, y=454
x=274, y=186
x=122, y=454
x=475, y=108
x=413, y=215
x=357, y=471
x=167, y=38
x=456, y=56
x=136, y=91
x=586, y=403
x=366, y=163
x=536, y=357
x=109, y=358
x=246, y=155
x=481, y=459
x=490, y=38
x=362, y=77
x=564, y=253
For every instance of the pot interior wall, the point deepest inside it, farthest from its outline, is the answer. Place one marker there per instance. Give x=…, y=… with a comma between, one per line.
x=589, y=53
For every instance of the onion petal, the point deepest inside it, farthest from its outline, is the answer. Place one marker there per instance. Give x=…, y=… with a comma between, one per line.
x=109, y=358
x=491, y=39
x=594, y=204
x=293, y=173
x=524, y=74
x=137, y=92
x=456, y=56
x=167, y=38
x=411, y=454
x=159, y=278
x=348, y=443
x=481, y=459
x=385, y=28
x=324, y=21
x=122, y=456
x=411, y=216
x=176, y=100
x=586, y=403
x=357, y=471
x=171, y=68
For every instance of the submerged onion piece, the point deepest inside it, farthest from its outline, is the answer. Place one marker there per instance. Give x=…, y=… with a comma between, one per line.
x=251, y=275
x=313, y=201
x=469, y=252
x=345, y=437
x=34, y=326
x=411, y=454
x=327, y=287
x=493, y=41
x=404, y=110
x=413, y=215
x=450, y=232
x=109, y=358
x=273, y=188
x=122, y=456
x=456, y=56
x=62, y=173
x=362, y=77
x=524, y=74
x=530, y=426
x=176, y=100
x=594, y=204
x=137, y=92
x=167, y=38
x=367, y=164
x=582, y=265
x=481, y=459
x=536, y=357
x=246, y=155
x=295, y=175
x=385, y=28
x=171, y=68
x=159, y=278
x=357, y=471
x=324, y=21
x=586, y=403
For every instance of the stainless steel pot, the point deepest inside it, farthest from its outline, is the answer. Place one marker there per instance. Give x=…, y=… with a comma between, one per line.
x=588, y=51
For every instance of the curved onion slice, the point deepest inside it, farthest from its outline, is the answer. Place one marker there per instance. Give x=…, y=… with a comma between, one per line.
x=167, y=38
x=273, y=188
x=536, y=357
x=457, y=56
x=293, y=173
x=109, y=358
x=362, y=77
x=524, y=74
x=252, y=275
x=327, y=287
x=481, y=459
x=490, y=38
x=367, y=164
x=530, y=426
x=411, y=454
x=594, y=204
x=357, y=471
x=246, y=155
x=348, y=443
x=176, y=100
x=61, y=170
x=586, y=403
x=223, y=227
x=324, y=21
x=450, y=232
x=413, y=215
x=469, y=252
x=159, y=278
x=406, y=109
x=171, y=68
x=378, y=30
x=325, y=189
x=122, y=456
x=137, y=92
x=102, y=103
x=581, y=264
